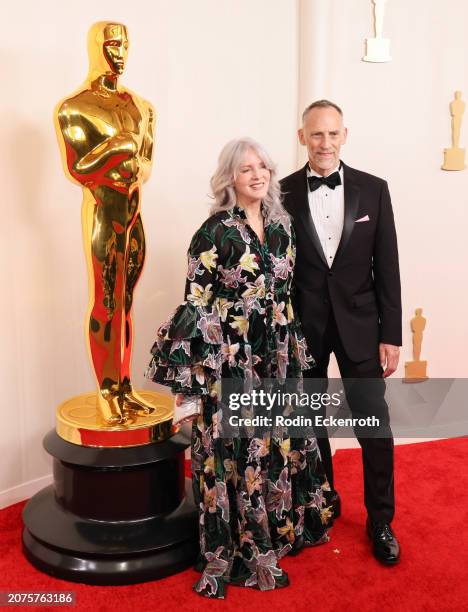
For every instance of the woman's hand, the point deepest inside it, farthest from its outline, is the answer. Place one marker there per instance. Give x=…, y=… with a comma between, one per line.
x=186, y=408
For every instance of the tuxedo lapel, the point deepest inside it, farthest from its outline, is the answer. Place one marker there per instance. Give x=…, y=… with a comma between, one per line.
x=351, y=206
x=303, y=211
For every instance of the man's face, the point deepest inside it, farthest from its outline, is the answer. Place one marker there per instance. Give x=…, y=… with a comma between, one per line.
x=323, y=134
x=115, y=48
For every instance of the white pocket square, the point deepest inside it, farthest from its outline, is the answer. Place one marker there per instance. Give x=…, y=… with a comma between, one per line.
x=362, y=219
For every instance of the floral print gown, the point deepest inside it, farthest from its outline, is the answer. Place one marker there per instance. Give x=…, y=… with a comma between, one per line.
x=258, y=497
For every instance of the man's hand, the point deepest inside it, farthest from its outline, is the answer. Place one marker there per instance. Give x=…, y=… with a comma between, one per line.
x=389, y=357
x=179, y=399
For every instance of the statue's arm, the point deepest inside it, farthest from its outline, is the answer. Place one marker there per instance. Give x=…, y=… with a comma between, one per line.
x=121, y=144
x=147, y=144
x=81, y=157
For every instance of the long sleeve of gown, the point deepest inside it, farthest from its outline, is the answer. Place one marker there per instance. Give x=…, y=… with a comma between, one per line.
x=187, y=350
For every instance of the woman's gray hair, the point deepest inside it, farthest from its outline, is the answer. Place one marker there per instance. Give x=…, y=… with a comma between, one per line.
x=229, y=161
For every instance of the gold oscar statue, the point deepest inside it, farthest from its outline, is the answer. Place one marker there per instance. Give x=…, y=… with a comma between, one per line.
x=378, y=48
x=416, y=370
x=105, y=133
x=454, y=158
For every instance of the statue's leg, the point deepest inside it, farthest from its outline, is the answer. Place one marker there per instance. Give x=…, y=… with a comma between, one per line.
x=134, y=264
x=107, y=309
x=416, y=347
x=379, y=16
x=134, y=267
x=456, y=123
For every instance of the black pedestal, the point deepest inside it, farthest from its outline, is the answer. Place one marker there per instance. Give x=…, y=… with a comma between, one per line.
x=113, y=515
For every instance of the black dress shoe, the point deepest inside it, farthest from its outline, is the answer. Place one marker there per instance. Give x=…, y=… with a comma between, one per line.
x=297, y=546
x=385, y=545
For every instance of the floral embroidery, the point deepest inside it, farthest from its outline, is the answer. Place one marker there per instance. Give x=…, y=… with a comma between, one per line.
x=290, y=311
x=279, y=494
x=223, y=307
x=210, y=328
x=194, y=268
x=240, y=227
x=199, y=296
x=241, y=324
x=278, y=316
x=208, y=258
x=248, y=262
x=282, y=266
x=231, y=278
x=266, y=570
x=287, y=530
x=229, y=352
x=253, y=479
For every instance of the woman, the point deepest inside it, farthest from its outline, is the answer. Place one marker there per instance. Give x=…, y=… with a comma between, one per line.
x=259, y=497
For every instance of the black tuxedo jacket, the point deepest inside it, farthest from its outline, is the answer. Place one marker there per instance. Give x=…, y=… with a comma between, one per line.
x=363, y=284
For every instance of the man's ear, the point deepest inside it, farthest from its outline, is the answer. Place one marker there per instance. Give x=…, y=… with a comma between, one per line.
x=345, y=136
x=300, y=135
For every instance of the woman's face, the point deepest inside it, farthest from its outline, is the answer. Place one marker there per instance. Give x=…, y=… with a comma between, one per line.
x=253, y=179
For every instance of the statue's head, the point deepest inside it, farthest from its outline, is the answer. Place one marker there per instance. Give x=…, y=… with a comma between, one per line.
x=458, y=95
x=107, y=48
x=418, y=312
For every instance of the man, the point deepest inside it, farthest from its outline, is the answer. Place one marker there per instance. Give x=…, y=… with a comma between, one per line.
x=347, y=288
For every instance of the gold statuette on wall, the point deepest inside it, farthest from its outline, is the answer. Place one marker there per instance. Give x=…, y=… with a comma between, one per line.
x=454, y=158
x=105, y=133
x=378, y=48
x=416, y=370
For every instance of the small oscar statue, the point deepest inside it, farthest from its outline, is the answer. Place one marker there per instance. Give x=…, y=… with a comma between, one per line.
x=416, y=370
x=454, y=158
x=378, y=48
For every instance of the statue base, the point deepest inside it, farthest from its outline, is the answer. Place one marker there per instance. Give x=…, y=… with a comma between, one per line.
x=79, y=422
x=454, y=159
x=377, y=50
x=415, y=371
x=115, y=515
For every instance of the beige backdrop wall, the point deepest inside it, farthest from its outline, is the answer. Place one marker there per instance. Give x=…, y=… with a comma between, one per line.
x=215, y=69
x=398, y=121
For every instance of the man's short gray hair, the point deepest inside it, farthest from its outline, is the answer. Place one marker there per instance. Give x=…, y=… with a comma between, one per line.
x=222, y=182
x=321, y=104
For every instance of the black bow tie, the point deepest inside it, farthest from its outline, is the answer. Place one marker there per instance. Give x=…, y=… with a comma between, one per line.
x=330, y=181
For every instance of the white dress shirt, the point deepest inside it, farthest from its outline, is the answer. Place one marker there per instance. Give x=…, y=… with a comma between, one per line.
x=327, y=210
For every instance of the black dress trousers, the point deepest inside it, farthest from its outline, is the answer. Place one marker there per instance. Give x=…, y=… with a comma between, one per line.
x=365, y=390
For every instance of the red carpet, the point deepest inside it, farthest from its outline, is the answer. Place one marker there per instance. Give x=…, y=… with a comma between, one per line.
x=431, y=523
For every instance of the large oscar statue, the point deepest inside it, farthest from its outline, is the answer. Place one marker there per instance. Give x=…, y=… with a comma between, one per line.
x=105, y=134
x=120, y=509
